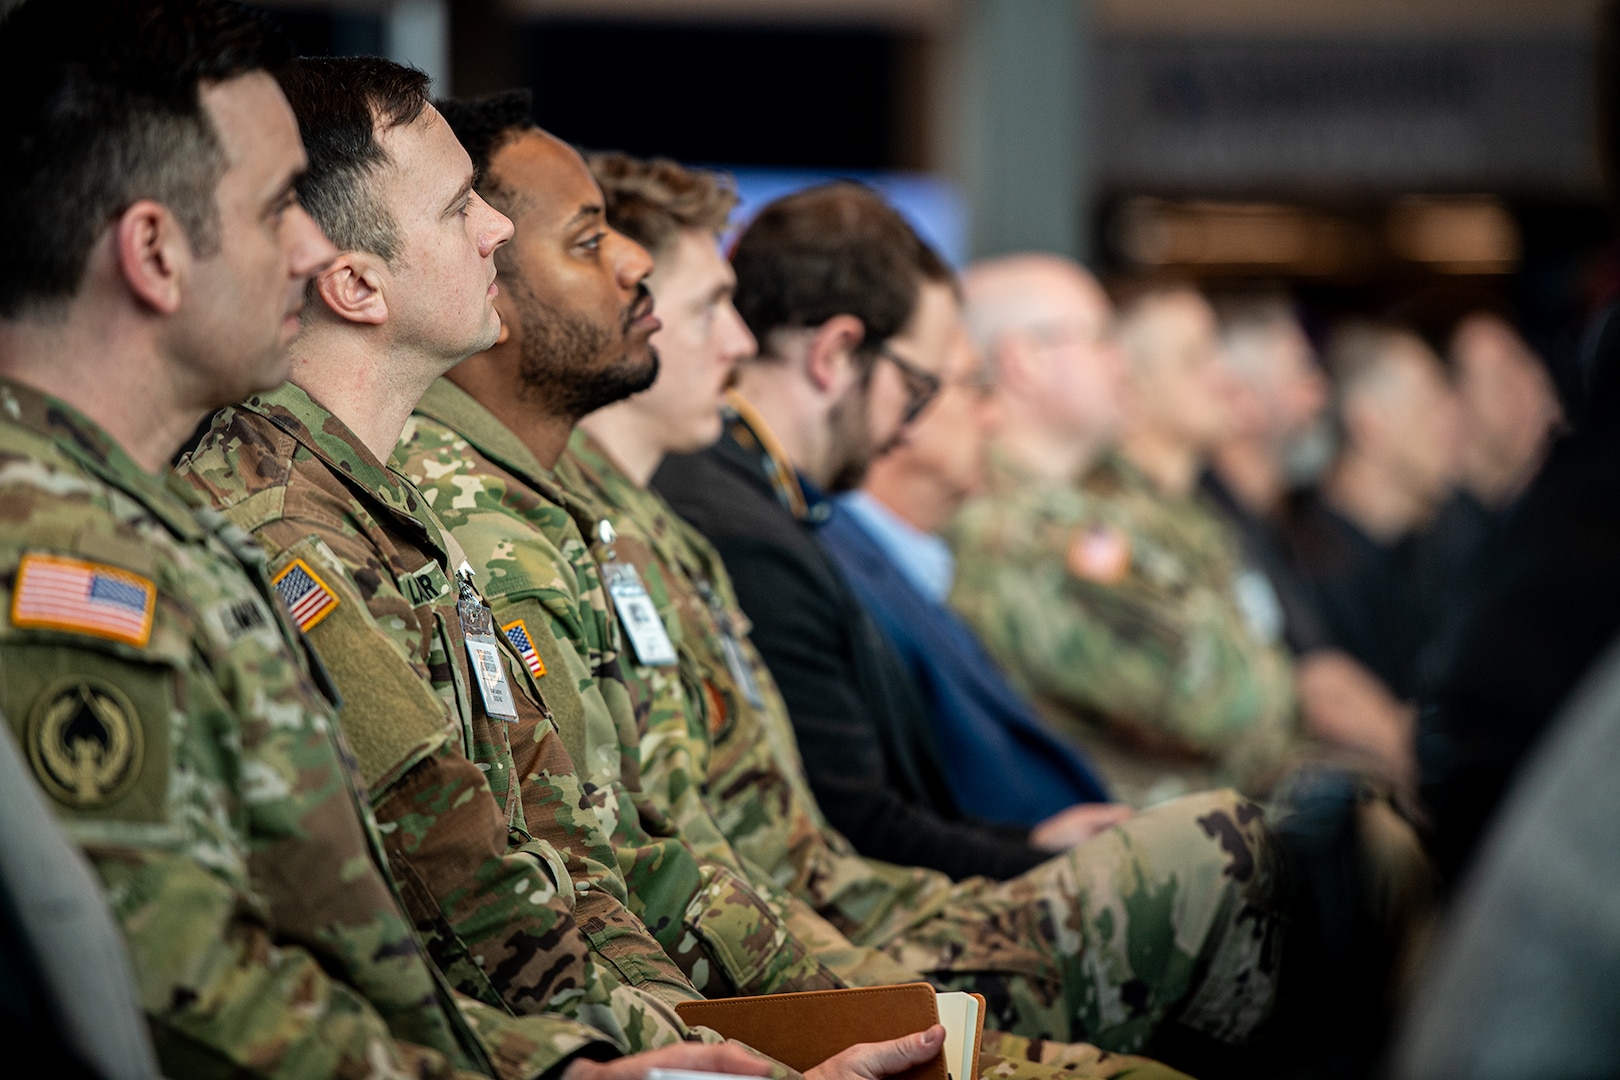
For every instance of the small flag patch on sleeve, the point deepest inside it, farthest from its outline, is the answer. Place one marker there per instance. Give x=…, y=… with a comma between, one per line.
x=518, y=634
x=59, y=593
x=307, y=598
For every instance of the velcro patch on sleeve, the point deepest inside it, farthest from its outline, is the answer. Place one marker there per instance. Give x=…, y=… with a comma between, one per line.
x=518, y=634
x=56, y=592
x=308, y=598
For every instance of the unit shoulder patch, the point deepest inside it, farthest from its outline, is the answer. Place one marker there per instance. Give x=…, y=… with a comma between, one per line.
x=85, y=742
x=1099, y=554
x=58, y=592
x=308, y=598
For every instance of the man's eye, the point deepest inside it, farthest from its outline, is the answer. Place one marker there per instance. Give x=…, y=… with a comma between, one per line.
x=593, y=243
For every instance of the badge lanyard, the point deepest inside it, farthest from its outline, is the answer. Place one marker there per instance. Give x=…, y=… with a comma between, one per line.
x=478, y=629
x=741, y=674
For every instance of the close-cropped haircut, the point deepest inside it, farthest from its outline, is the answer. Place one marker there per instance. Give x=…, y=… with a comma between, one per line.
x=103, y=108
x=653, y=200
x=837, y=249
x=484, y=125
x=343, y=104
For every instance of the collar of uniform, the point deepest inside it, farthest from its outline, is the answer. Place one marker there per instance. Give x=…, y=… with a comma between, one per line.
x=623, y=498
x=1003, y=474
x=88, y=443
x=1118, y=471
x=752, y=433
x=323, y=434
x=582, y=493
x=450, y=405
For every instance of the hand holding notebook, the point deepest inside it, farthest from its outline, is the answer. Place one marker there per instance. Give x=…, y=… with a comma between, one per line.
x=806, y=1029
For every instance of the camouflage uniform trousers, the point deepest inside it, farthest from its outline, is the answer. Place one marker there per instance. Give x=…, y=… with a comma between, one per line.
x=1170, y=918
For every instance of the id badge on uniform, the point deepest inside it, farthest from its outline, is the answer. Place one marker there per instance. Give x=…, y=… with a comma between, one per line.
x=638, y=615
x=478, y=630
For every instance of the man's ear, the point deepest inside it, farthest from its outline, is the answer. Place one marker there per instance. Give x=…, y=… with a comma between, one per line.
x=153, y=254
x=830, y=359
x=352, y=288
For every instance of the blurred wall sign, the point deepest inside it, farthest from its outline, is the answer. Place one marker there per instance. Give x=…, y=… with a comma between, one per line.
x=1251, y=115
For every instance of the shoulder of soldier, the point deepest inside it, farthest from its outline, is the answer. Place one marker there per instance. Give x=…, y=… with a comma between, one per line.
x=103, y=603
x=242, y=465
x=1024, y=520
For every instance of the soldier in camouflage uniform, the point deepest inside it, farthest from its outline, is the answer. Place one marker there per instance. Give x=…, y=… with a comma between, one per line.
x=1117, y=607
x=537, y=541
x=176, y=722
x=510, y=860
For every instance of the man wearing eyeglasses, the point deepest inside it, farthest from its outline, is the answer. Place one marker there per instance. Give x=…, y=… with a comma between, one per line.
x=847, y=361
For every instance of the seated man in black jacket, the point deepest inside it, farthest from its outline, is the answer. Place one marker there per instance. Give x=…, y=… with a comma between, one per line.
x=851, y=310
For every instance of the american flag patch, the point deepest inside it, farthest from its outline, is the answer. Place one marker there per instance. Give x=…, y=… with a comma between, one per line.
x=307, y=598
x=518, y=635
x=59, y=593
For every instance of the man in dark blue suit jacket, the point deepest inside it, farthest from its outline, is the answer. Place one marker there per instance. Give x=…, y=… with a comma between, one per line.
x=882, y=538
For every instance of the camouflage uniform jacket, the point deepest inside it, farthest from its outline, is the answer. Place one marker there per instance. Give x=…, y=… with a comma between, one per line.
x=173, y=719
x=735, y=750
x=1118, y=609
x=676, y=703
x=525, y=538
x=508, y=878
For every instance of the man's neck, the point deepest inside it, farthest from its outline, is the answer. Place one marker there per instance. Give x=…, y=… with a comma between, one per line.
x=1062, y=457
x=918, y=500
x=492, y=378
x=360, y=381
x=108, y=370
x=625, y=436
x=1372, y=500
x=803, y=437
x=1251, y=473
x=1169, y=464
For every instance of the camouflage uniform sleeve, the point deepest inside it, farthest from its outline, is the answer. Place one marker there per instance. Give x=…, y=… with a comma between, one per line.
x=187, y=777
x=675, y=707
x=497, y=916
x=1066, y=605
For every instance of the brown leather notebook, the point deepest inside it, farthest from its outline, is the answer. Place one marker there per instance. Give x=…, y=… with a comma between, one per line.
x=802, y=1030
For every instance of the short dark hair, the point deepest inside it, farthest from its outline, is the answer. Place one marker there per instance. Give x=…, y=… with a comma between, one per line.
x=652, y=200
x=102, y=108
x=342, y=103
x=836, y=249
x=484, y=125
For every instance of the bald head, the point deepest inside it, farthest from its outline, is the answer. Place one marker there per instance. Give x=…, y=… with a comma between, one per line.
x=1031, y=294
x=1045, y=329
